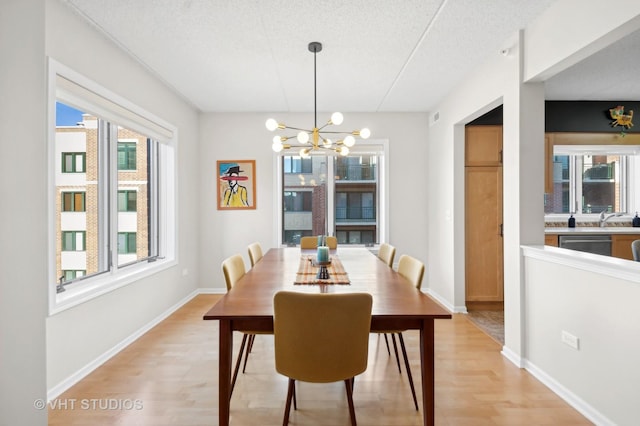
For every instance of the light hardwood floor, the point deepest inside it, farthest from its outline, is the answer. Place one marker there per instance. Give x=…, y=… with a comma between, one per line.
x=170, y=374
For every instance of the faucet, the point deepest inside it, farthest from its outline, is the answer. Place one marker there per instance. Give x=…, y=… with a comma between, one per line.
x=604, y=219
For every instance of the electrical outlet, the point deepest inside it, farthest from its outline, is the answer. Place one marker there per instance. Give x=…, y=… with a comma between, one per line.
x=570, y=340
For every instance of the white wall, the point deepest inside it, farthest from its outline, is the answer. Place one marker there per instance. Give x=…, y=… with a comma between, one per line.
x=244, y=137
x=78, y=337
x=23, y=266
x=602, y=376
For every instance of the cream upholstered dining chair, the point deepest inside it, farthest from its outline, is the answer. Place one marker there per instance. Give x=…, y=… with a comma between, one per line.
x=413, y=270
x=233, y=269
x=635, y=250
x=386, y=253
x=321, y=338
x=255, y=253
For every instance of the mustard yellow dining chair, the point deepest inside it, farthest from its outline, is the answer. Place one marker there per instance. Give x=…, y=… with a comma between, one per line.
x=308, y=242
x=312, y=242
x=233, y=269
x=255, y=253
x=413, y=270
x=321, y=338
x=386, y=253
x=332, y=242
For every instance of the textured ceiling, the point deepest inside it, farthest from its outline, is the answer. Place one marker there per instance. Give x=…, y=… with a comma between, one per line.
x=251, y=55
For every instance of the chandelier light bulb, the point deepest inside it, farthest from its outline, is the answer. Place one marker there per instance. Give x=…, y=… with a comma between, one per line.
x=344, y=151
x=271, y=124
x=304, y=152
x=349, y=141
x=327, y=143
x=303, y=137
x=277, y=146
x=365, y=133
x=337, y=118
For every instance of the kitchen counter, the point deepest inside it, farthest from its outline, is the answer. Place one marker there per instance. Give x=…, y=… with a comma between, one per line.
x=593, y=230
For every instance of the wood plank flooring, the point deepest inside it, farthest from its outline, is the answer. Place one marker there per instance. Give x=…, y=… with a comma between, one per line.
x=169, y=377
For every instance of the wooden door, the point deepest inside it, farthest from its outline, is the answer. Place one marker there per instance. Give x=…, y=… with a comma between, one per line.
x=484, y=257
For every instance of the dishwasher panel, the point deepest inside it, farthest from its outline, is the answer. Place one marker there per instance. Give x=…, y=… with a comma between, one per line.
x=596, y=244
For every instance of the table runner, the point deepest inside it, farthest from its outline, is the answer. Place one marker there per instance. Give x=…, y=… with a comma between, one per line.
x=308, y=270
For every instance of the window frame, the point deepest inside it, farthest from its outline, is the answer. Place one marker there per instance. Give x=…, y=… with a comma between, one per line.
x=72, y=88
x=74, y=162
x=629, y=171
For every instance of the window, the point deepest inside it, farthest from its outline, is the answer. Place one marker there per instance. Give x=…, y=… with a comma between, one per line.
x=70, y=274
x=126, y=155
x=588, y=184
x=127, y=230
x=73, y=162
x=73, y=240
x=73, y=201
x=126, y=242
x=340, y=197
x=297, y=165
x=297, y=201
x=127, y=201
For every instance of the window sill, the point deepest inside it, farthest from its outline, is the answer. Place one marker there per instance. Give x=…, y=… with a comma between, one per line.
x=84, y=291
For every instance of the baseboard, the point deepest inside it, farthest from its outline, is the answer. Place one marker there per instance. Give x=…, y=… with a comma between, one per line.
x=58, y=389
x=211, y=290
x=516, y=359
x=441, y=300
x=572, y=399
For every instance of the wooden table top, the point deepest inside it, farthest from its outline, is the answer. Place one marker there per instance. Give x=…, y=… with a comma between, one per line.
x=393, y=295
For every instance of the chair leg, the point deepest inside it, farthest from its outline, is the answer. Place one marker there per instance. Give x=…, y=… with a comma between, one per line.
x=386, y=342
x=235, y=370
x=287, y=408
x=352, y=411
x=395, y=349
x=246, y=354
x=406, y=364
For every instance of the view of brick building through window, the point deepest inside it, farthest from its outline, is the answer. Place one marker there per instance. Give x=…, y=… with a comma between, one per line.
x=82, y=203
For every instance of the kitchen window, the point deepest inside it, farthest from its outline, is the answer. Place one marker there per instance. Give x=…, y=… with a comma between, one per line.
x=588, y=180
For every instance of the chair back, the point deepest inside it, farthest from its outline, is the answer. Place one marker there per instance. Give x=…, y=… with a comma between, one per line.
x=412, y=269
x=386, y=253
x=255, y=253
x=321, y=337
x=635, y=249
x=308, y=242
x=233, y=269
x=332, y=242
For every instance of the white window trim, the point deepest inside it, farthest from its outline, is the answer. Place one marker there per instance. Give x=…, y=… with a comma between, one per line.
x=379, y=147
x=112, y=106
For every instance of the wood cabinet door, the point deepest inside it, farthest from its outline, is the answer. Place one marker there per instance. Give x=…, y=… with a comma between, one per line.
x=483, y=146
x=483, y=234
x=621, y=245
x=551, y=240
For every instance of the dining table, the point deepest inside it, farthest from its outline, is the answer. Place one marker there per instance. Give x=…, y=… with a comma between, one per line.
x=397, y=305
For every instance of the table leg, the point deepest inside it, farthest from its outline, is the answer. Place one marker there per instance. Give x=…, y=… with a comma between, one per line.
x=224, y=372
x=427, y=370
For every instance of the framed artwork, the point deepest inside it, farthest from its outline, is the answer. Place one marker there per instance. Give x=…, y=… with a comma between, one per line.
x=236, y=184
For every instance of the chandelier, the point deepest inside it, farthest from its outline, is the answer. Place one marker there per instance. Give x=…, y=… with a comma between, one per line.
x=317, y=138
